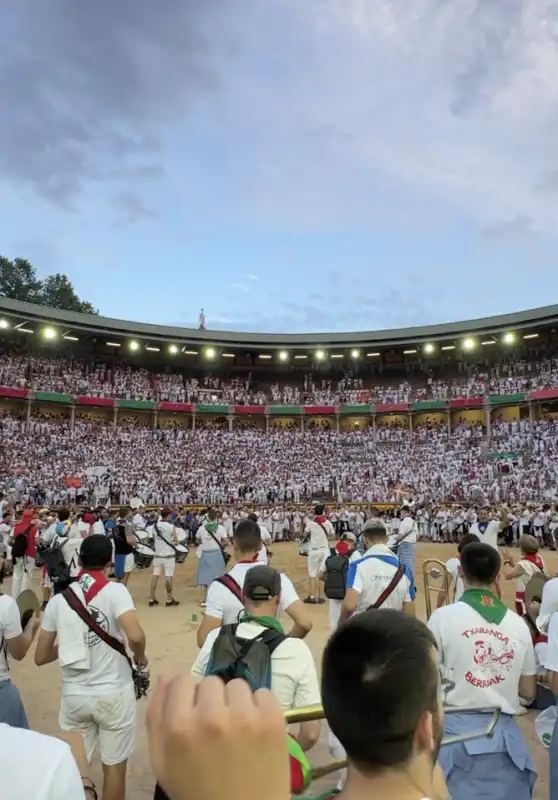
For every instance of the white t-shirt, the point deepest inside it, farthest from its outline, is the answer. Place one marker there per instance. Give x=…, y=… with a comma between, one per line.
x=69, y=545
x=109, y=669
x=54, y=774
x=10, y=628
x=294, y=680
x=206, y=540
x=452, y=566
x=319, y=534
x=408, y=526
x=372, y=574
x=162, y=549
x=483, y=660
x=549, y=604
x=487, y=532
x=222, y=604
x=266, y=537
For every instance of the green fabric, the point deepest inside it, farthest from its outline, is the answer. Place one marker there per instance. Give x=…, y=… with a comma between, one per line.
x=211, y=527
x=506, y=399
x=486, y=604
x=265, y=622
x=429, y=405
x=204, y=408
x=52, y=397
x=136, y=405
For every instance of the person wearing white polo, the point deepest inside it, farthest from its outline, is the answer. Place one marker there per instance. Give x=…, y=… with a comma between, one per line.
x=318, y=531
x=224, y=597
x=378, y=579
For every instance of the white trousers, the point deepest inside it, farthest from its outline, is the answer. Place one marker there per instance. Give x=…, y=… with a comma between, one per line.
x=23, y=575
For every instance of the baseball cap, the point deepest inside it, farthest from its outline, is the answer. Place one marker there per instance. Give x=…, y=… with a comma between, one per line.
x=350, y=537
x=262, y=583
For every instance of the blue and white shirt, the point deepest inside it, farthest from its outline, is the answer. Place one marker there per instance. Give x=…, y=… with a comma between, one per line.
x=373, y=573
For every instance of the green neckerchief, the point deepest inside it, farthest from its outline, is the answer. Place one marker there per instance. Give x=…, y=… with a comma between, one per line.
x=265, y=622
x=211, y=527
x=486, y=604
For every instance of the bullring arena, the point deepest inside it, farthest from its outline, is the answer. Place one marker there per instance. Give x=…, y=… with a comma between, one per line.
x=171, y=646
x=95, y=412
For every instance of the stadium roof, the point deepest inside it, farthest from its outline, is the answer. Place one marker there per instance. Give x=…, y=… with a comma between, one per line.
x=18, y=312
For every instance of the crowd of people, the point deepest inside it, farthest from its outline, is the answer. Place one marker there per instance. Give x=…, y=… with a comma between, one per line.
x=47, y=463
x=86, y=377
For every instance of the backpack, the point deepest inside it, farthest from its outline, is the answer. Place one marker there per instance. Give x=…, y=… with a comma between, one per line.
x=21, y=543
x=54, y=562
x=232, y=657
x=335, y=579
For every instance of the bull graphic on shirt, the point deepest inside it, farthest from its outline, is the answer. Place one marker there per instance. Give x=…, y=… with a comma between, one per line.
x=488, y=655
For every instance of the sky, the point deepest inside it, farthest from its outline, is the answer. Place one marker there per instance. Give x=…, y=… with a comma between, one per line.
x=288, y=165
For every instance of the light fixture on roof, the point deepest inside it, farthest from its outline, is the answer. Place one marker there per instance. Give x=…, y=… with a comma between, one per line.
x=4, y=324
x=320, y=355
x=49, y=333
x=488, y=342
x=372, y=355
x=190, y=352
x=429, y=348
x=300, y=357
x=409, y=352
x=113, y=344
x=210, y=352
x=265, y=356
x=355, y=353
x=227, y=355
x=531, y=336
x=173, y=349
x=469, y=344
x=153, y=349
x=283, y=355
x=25, y=330
x=509, y=338
x=70, y=338
x=448, y=347
x=336, y=355
x=134, y=345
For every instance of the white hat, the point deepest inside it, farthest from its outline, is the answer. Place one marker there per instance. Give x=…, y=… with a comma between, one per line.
x=350, y=536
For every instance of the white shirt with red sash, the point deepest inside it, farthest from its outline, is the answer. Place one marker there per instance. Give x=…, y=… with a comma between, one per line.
x=106, y=602
x=531, y=565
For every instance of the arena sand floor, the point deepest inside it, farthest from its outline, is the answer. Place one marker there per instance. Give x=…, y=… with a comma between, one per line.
x=171, y=646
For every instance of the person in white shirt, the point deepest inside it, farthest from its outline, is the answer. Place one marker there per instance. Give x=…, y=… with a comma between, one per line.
x=487, y=529
x=224, y=598
x=54, y=774
x=294, y=680
x=317, y=531
x=531, y=563
x=378, y=579
x=406, y=539
x=486, y=661
x=453, y=568
x=551, y=665
x=14, y=643
x=389, y=732
x=264, y=554
x=98, y=694
x=344, y=553
x=68, y=538
x=212, y=562
x=164, y=536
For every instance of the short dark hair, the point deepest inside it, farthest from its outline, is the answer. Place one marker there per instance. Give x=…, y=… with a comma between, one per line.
x=212, y=513
x=165, y=513
x=247, y=536
x=95, y=551
x=369, y=702
x=480, y=563
x=318, y=509
x=253, y=517
x=63, y=514
x=467, y=538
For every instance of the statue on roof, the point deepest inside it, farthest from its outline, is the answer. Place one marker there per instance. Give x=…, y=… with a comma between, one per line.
x=202, y=320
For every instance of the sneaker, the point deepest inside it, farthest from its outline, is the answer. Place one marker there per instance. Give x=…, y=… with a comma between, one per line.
x=202, y=604
x=172, y=602
x=153, y=603
x=320, y=600
x=310, y=600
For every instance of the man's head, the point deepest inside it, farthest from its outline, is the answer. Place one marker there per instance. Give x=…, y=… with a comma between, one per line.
x=467, y=538
x=212, y=514
x=247, y=538
x=405, y=511
x=63, y=514
x=374, y=532
x=253, y=517
x=370, y=701
x=262, y=591
x=483, y=514
x=95, y=552
x=480, y=565
x=165, y=514
x=528, y=545
x=318, y=510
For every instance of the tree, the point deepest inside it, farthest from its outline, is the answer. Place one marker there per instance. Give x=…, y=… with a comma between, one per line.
x=58, y=292
x=18, y=281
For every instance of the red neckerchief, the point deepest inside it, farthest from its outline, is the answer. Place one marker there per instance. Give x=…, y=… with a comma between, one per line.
x=534, y=558
x=249, y=560
x=540, y=639
x=91, y=582
x=320, y=520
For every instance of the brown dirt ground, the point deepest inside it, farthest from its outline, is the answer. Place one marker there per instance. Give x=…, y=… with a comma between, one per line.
x=172, y=647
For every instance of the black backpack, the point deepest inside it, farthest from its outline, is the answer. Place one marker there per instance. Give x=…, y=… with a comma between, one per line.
x=335, y=579
x=21, y=543
x=55, y=563
x=232, y=657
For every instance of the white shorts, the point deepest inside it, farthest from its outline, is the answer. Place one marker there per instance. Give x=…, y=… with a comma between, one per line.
x=129, y=563
x=315, y=561
x=108, y=720
x=166, y=564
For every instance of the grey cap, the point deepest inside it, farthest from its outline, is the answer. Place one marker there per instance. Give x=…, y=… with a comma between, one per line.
x=375, y=526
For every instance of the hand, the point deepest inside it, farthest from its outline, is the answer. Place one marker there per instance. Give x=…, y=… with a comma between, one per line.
x=141, y=663
x=192, y=728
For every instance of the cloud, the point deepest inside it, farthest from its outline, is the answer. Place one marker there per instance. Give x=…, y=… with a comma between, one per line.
x=518, y=226
x=131, y=209
x=252, y=277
